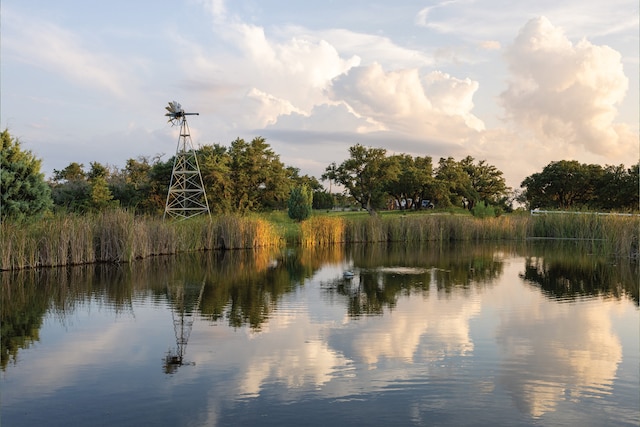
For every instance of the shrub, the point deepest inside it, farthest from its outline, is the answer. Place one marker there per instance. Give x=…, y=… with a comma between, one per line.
x=300, y=203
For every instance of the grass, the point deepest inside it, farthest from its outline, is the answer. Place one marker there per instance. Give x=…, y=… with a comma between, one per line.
x=118, y=236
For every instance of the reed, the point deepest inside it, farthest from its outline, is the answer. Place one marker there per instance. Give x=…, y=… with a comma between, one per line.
x=117, y=236
x=439, y=228
x=322, y=231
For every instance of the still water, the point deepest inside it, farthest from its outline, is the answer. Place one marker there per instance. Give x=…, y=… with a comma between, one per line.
x=427, y=336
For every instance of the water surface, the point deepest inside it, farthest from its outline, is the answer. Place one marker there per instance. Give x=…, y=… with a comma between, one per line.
x=473, y=335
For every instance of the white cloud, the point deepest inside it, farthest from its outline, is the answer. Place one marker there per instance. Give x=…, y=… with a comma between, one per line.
x=566, y=93
x=435, y=104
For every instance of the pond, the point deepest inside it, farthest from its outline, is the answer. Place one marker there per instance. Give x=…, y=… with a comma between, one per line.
x=517, y=335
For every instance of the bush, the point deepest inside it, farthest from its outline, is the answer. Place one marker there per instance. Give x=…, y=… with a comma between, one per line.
x=300, y=203
x=483, y=210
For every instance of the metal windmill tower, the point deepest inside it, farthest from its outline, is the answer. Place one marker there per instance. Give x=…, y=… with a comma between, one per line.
x=186, y=196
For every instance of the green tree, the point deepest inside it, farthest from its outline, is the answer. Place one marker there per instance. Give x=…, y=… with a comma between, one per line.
x=322, y=200
x=617, y=188
x=300, y=202
x=414, y=180
x=73, y=172
x=258, y=177
x=101, y=195
x=215, y=166
x=23, y=190
x=70, y=189
x=563, y=184
x=130, y=186
x=453, y=184
x=364, y=176
x=487, y=183
x=159, y=180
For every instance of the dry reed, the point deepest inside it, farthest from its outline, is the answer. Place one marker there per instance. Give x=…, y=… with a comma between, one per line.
x=118, y=236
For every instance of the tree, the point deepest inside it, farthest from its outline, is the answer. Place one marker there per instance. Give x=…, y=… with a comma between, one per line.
x=487, y=183
x=73, y=172
x=322, y=200
x=101, y=196
x=258, y=177
x=453, y=184
x=130, y=186
x=364, y=176
x=23, y=190
x=617, y=188
x=300, y=202
x=215, y=166
x=413, y=182
x=563, y=184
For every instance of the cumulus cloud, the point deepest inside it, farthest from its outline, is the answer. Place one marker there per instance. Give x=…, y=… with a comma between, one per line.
x=566, y=93
x=490, y=45
x=435, y=104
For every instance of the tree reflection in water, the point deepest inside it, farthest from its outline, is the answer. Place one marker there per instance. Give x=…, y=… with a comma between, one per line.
x=570, y=274
x=243, y=288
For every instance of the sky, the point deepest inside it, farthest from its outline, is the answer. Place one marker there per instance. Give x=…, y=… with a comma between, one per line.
x=517, y=84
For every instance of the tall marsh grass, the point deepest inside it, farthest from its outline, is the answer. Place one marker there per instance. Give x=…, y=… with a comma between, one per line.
x=617, y=235
x=119, y=236
x=322, y=231
x=614, y=235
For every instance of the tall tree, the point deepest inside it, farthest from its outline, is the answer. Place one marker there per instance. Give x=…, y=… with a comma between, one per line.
x=215, y=165
x=23, y=190
x=258, y=176
x=563, y=184
x=453, y=184
x=364, y=176
x=414, y=180
x=487, y=183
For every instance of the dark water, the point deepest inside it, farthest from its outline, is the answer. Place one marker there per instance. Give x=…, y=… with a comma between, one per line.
x=468, y=335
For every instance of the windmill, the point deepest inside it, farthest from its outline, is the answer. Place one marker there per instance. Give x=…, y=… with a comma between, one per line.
x=186, y=196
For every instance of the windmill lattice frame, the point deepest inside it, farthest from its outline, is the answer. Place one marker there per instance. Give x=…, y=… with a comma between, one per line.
x=186, y=196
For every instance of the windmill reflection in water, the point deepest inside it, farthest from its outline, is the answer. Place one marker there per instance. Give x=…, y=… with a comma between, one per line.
x=184, y=301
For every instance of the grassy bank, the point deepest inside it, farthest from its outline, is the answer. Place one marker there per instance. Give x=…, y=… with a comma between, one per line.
x=118, y=236
x=613, y=235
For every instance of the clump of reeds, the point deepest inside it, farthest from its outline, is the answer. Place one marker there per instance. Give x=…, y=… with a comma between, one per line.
x=119, y=236
x=322, y=231
x=438, y=228
x=240, y=232
x=615, y=235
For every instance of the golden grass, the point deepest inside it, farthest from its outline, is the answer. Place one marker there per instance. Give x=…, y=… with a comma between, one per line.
x=322, y=231
x=118, y=236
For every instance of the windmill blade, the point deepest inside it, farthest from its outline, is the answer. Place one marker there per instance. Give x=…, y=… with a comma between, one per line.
x=175, y=112
x=174, y=108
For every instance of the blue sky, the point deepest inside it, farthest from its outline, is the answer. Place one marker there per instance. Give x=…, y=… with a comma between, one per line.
x=518, y=84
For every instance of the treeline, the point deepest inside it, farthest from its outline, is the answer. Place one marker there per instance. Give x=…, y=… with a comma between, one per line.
x=376, y=181
x=249, y=177
x=573, y=185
